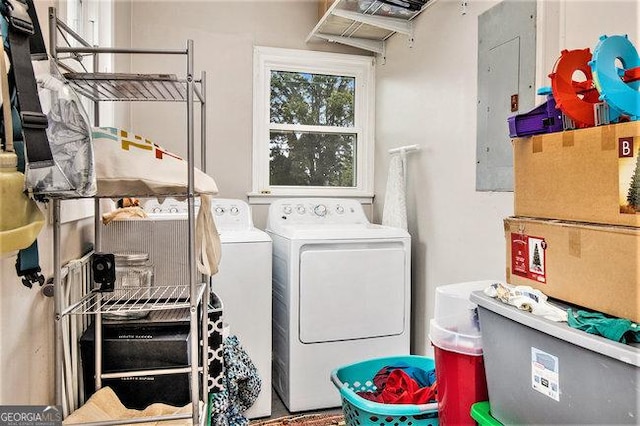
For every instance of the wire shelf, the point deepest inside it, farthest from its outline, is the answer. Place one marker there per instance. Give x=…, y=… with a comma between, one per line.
x=131, y=300
x=129, y=87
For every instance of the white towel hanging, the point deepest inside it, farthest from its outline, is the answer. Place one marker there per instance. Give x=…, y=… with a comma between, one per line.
x=394, y=212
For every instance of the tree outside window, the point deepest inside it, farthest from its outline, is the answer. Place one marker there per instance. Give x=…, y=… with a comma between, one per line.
x=302, y=158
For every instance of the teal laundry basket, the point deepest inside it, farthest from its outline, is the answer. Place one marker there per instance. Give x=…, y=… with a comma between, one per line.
x=358, y=411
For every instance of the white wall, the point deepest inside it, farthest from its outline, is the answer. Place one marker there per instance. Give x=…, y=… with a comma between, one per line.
x=121, y=37
x=427, y=95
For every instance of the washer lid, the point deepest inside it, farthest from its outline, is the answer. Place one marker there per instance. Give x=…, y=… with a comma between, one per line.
x=253, y=235
x=340, y=232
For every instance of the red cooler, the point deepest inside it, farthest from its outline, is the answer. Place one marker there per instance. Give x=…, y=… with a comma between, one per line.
x=455, y=335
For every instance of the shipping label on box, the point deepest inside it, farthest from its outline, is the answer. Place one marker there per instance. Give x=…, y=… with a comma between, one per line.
x=629, y=175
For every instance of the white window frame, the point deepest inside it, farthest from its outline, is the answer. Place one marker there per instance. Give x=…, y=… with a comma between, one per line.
x=268, y=59
x=93, y=20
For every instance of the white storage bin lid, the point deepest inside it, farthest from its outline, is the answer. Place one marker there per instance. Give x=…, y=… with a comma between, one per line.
x=467, y=341
x=455, y=327
x=452, y=300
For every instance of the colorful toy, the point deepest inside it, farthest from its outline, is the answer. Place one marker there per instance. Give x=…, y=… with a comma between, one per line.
x=618, y=87
x=545, y=118
x=575, y=98
x=587, y=90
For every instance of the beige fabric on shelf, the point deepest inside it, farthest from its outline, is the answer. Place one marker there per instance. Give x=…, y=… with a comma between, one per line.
x=124, y=213
x=104, y=405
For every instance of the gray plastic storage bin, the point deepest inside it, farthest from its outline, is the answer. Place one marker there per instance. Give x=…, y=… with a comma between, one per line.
x=542, y=372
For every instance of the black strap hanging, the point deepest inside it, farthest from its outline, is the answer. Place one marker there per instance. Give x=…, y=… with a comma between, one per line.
x=34, y=122
x=26, y=43
x=36, y=42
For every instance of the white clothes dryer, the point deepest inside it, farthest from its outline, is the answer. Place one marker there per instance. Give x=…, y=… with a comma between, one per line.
x=243, y=283
x=341, y=294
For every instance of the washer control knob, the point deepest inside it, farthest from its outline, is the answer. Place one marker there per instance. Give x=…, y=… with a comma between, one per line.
x=173, y=210
x=234, y=211
x=339, y=209
x=219, y=211
x=156, y=210
x=300, y=209
x=287, y=210
x=320, y=210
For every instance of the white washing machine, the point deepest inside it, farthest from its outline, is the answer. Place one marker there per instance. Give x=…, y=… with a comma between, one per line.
x=341, y=294
x=243, y=284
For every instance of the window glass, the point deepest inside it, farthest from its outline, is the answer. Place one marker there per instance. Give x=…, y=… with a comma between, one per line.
x=313, y=99
x=312, y=159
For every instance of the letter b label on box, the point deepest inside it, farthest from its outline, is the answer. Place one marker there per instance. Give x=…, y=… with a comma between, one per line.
x=625, y=147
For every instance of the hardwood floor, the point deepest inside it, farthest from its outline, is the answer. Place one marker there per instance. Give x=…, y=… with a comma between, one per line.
x=278, y=409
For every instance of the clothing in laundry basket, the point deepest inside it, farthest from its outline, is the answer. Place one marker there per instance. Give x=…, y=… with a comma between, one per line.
x=242, y=386
x=422, y=377
x=618, y=329
x=402, y=385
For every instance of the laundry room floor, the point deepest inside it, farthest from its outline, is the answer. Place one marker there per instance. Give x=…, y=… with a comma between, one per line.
x=279, y=410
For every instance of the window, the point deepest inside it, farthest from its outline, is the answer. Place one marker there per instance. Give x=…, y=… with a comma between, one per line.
x=313, y=124
x=93, y=21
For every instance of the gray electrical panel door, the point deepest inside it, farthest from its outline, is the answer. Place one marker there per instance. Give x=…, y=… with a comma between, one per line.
x=506, y=86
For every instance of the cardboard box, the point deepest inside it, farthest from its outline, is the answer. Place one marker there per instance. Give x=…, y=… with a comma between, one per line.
x=590, y=265
x=584, y=175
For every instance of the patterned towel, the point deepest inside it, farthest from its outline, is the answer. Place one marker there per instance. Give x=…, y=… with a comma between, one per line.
x=242, y=386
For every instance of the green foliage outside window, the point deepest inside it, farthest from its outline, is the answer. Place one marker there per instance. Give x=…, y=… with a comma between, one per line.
x=312, y=158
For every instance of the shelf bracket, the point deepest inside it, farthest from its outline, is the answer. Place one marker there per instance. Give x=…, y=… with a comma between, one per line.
x=376, y=46
x=391, y=24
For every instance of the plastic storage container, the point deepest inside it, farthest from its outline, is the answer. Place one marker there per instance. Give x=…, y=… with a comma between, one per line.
x=358, y=411
x=134, y=276
x=20, y=218
x=543, y=372
x=481, y=413
x=455, y=335
x=133, y=270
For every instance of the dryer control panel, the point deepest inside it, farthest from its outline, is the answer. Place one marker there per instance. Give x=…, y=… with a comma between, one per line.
x=315, y=211
x=228, y=214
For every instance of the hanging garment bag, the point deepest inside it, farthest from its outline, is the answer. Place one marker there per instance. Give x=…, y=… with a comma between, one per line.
x=69, y=135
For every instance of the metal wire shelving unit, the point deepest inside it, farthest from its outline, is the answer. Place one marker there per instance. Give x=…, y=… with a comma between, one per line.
x=130, y=300
x=99, y=87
